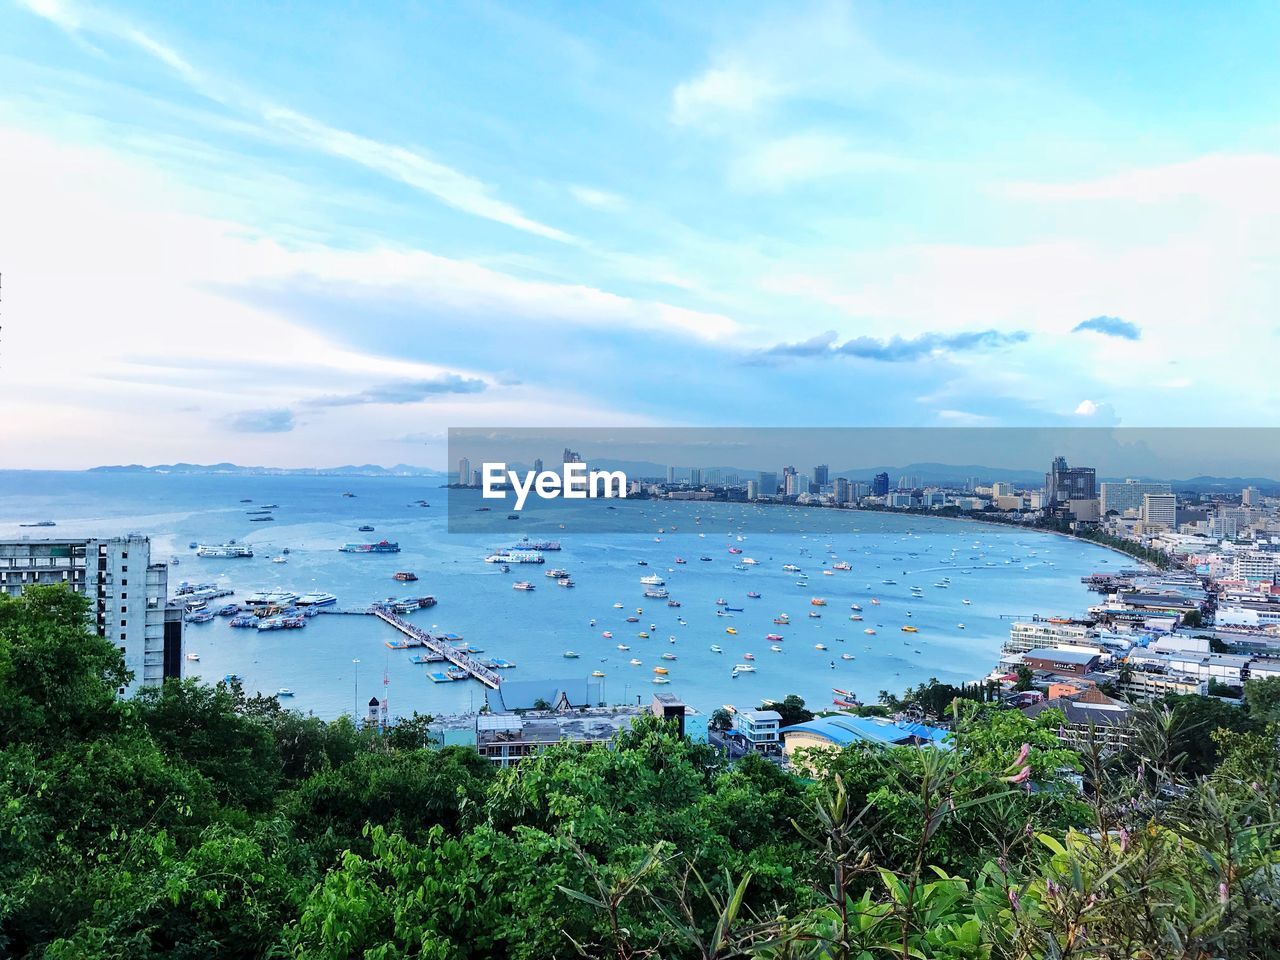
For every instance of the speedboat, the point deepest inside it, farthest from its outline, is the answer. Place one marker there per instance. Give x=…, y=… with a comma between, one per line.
x=597, y=673
x=743, y=668
x=814, y=615
x=775, y=648
x=752, y=595
x=730, y=629
x=608, y=634
x=193, y=657
x=643, y=635
x=846, y=656
x=869, y=632
x=910, y=629
x=748, y=656
x=284, y=692
x=773, y=636
x=661, y=670
x=959, y=626
x=617, y=606
x=635, y=662
x=715, y=648
x=819, y=646
x=623, y=646
x=668, y=656
x=855, y=616
x=661, y=680
x=569, y=655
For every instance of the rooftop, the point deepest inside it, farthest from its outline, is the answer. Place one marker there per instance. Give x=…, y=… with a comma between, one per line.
x=1081, y=657
x=844, y=729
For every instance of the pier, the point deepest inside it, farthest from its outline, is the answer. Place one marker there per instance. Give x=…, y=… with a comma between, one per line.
x=438, y=646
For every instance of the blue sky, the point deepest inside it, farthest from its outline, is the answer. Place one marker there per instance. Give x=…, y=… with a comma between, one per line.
x=305, y=232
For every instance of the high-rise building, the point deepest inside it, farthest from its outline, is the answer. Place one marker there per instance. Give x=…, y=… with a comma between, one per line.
x=1002, y=489
x=1063, y=483
x=695, y=477
x=768, y=483
x=571, y=456
x=842, y=490
x=753, y=489
x=1250, y=497
x=880, y=485
x=671, y=474
x=537, y=465
x=713, y=476
x=127, y=592
x=821, y=475
x=790, y=482
x=1256, y=566
x=1161, y=509
x=464, y=472
x=1126, y=498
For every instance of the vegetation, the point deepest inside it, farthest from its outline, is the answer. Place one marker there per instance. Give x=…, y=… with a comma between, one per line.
x=196, y=822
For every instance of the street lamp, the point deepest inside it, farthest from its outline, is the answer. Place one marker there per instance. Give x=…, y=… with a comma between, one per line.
x=355, y=693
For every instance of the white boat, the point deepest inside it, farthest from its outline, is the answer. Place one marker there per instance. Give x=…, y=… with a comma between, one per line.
x=569, y=655
x=819, y=646
x=317, y=600
x=715, y=648
x=652, y=580
x=224, y=550
x=522, y=585
x=661, y=679
x=280, y=559
x=272, y=598
x=193, y=657
x=846, y=656
x=623, y=646
x=284, y=692
x=775, y=648
x=743, y=668
x=635, y=662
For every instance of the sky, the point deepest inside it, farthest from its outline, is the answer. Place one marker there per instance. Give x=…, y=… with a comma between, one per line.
x=310, y=233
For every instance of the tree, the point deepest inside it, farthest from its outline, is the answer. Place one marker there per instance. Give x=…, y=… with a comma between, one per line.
x=791, y=709
x=1262, y=696
x=1025, y=677
x=720, y=720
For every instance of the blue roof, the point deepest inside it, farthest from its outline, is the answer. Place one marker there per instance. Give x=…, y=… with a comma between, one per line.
x=1062, y=656
x=843, y=730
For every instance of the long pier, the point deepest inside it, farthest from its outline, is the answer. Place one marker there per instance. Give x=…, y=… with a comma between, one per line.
x=490, y=678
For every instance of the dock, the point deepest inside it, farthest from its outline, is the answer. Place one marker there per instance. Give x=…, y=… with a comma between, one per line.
x=438, y=645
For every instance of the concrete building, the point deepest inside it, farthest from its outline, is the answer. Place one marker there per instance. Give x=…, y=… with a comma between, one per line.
x=1160, y=509
x=128, y=596
x=1028, y=635
x=1063, y=483
x=759, y=729
x=1088, y=711
x=1072, y=662
x=1126, y=498
x=1255, y=566
x=841, y=730
x=465, y=475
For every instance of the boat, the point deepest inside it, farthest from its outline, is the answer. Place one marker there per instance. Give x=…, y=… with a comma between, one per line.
x=814, y=615
x=657, y=593
x=228, y=610
x=617, y=606
x=734, y=609
x=642, y=563
x=261, y=519
x=515, y=556
x=775, y=648
x=668, y=656
x=522, y=585
x=271, y=598
x=735, y=549
x=910, y=629
x=661, y=670
x=782, y=618
x=855, y=606
x=643, y=635
x=382, y=546
x=705, y=559
x=228, y=550
x=752, y=595
x=623, y=646
x=673, y=603
x=731, y=630
x=652, y=580
x=819, y=646
x=743, y=668
x=790, y=568
x=855, y=616
x=827, y=573
x=565, y=582
x=634, y=662
x=875, y=602
x=608, y=634
x=889, y=581
x=569, y=655
x=680, y=560
x=405, y=576
x=556, y=573
x=597, y=673
x=773, y=637
x=748, y=561
x=348, y=494
x=722, y=602
x=193, y=657
x=959, y=626
x=661, y=679
x=39, y=523
x=966, y=602
x=280, y=559
x=715, y=648
x=869, y=632
x=633, y=619
x=846, y=656
x=284, y=692
x=841, y=565
x=317, y=600
x=748, y=656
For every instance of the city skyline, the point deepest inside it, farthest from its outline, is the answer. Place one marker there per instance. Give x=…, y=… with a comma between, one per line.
x=250, y=237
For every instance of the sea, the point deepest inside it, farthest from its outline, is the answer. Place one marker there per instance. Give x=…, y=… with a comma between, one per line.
x=970, y=580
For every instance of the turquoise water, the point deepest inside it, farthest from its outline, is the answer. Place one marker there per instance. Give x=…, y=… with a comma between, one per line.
x=1001, y=572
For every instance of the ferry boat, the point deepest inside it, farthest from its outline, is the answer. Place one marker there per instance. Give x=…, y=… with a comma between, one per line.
x=522, y=585
x=229, y=550
x=199, y=616
x=658, y=593
x=557, y=573
x=317, y=600
x=39, y=523
x=244, y=620
x=271, y=598
x=405, y=576
x=228, y=610
x=517, y=556
x=653, y=580
x=382, y=546
x=527, y=544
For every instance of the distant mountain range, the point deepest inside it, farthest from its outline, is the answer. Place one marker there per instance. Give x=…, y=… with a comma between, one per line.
x=349, y=470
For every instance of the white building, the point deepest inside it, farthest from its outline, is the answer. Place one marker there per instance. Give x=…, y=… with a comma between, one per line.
x=759, y=728
x=1033, y=634
x=1126, y=498
x=1160, y=509
x=1255, y=566
x=128, y=596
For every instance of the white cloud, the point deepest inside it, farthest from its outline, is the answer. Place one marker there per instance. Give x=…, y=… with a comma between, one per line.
x=597, y=198
x=728, y=89
x=1087, y=408
x=782, y=162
